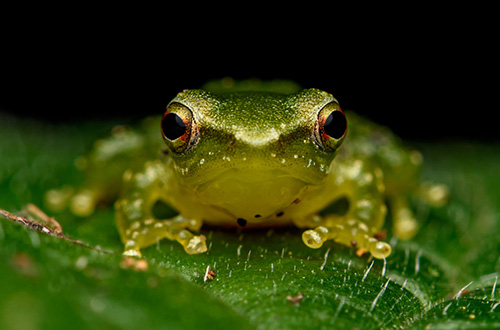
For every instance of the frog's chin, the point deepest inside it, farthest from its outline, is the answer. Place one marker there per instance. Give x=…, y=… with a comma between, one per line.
x=253, y=194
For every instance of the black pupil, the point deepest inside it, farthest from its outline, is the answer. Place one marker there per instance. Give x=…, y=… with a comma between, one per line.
x=335, y=125
x=173, y=126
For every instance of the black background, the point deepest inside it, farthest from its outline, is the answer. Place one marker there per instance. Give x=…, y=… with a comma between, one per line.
x=426, y=84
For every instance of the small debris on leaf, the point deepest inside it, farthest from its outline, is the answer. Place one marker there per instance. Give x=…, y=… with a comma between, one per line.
x=361, y=252
x=209, y=274
x=40, y=226
x=295, y=300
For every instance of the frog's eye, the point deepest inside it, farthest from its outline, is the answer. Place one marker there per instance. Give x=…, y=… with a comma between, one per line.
x=173, y=126
x=178, y=127
x=331, y=127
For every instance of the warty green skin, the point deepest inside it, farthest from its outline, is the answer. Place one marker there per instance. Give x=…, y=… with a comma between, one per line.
x=255, y=162
x=254, y=130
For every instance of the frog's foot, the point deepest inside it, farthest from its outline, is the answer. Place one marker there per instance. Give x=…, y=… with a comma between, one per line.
x=81, y=203
x=57, y=200
x=192, y=244
x=350, y=233
x=141, y=234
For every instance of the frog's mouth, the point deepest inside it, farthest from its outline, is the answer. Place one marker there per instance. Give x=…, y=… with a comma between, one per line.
x=253, y=194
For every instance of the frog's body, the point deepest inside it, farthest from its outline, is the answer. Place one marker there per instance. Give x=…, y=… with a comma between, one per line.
x=254, y=159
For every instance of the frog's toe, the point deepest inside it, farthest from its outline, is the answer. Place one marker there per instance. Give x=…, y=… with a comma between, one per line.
x=314, y=238
x=379, y=249
x=350, y=233
x=405, y=225
x=132, y=253
x=56, y=200
x=83, y=203
x=132, y=249
x=434, y=194
x=196, y=245
x=192, y=244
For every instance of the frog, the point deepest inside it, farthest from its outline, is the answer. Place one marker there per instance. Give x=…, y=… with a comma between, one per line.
x=254, y=154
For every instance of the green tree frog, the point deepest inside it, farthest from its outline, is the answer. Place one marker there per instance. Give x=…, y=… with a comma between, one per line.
x=254, y=154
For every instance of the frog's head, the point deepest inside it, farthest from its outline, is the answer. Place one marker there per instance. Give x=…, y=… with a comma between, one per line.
x=253, y=153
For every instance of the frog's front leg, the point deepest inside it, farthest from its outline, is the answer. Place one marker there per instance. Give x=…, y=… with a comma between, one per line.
x=137, y=225
x=359, y=226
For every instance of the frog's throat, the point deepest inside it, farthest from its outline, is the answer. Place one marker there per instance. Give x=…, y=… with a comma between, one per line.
x=252, y=193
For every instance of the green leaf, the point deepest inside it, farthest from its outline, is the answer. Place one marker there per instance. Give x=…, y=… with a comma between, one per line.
x=447, y=277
